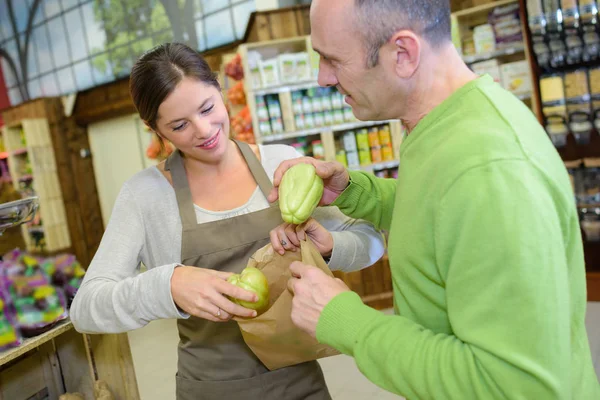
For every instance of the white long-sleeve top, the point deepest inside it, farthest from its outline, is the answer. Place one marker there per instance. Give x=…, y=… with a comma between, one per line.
x=145, y=228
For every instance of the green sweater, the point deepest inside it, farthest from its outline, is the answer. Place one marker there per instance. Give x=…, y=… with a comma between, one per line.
x=486, y=257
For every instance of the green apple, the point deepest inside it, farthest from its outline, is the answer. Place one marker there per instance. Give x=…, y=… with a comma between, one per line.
x=252, y=280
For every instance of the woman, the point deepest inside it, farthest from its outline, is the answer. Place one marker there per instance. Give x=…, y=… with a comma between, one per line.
x=192, y=221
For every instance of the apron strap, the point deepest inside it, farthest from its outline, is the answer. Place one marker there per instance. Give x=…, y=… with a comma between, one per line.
x=183, y=193
x=187, y=213
x=256, y=168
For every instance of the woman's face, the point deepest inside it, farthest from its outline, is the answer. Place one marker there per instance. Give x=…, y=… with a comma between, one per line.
x=194, y=118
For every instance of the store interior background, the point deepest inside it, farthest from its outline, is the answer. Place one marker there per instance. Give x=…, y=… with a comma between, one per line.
x=78, y=46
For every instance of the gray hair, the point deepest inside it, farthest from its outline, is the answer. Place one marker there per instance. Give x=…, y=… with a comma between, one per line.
x=378, y=20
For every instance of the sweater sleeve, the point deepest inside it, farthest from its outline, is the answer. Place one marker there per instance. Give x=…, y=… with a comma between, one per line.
x=356, y=243
x=502, y=250
x=113, y=297
x=369, y=198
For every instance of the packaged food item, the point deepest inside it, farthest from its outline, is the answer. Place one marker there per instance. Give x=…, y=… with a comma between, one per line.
x=276, y=125
x=374, y=137
x=9, y=332
x=506, y=25
x=362, y=140
x=570, y=13
x=349, y=139
x=348, y=115
x=595, y=87
x=254, y=59
x=340, y=156
x=307, y=105
x=353, y=161
x=269, y=72
x=319, y=119
x=338, y=117
x=516, y=77
x=300, y=148
x=490, y=67
x=385, y=137
x=588, y=12
x=577, y=91
x=287, y=68
x=387, y=153
x=273, y=106
x=328, y=116
x=364, y=157
x=309, y=121
x=38, y=304
x=262, y=112
x=553, y=95
x=318, y=150
x=376, y=156
x=485, y=41
x=297, y=102
x=66, y=273
x=299, y=120
x=303, y=71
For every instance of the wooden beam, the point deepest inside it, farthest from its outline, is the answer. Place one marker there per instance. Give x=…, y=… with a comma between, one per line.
x=593, y=286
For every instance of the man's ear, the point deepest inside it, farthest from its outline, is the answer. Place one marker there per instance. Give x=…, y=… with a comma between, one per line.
x=405, y=50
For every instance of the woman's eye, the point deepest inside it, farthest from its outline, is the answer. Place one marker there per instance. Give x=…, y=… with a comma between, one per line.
x=179, y=127
x=208, y=110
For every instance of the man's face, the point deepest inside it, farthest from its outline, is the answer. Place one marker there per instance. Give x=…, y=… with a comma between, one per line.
x=344, y=61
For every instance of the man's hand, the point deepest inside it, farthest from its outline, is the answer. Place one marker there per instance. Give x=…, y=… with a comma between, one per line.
x=312, y=290
x=335, y=178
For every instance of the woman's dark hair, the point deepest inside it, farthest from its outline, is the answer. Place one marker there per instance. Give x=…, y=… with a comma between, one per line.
x=157, y=72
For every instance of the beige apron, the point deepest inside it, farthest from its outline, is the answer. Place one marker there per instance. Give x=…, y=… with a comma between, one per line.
x=214, y=363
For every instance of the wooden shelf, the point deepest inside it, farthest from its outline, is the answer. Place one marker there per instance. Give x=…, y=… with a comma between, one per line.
x=484, y=8
x=285, y=87
x=377, y=166
x=31, y=343
x=516, y=49
x=316, y=131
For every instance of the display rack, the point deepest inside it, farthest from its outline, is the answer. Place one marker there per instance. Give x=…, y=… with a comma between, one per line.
x=507, y=61
x=288, y=106
x=32, y=167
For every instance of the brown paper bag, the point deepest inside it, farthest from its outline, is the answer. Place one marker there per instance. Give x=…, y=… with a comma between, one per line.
x=272, y=336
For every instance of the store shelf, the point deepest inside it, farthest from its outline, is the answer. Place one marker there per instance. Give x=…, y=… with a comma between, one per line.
x=316, y=131
x=518, y=48
x=286, y=87
x=484, y=8
x=31, y=343
x=377, y=166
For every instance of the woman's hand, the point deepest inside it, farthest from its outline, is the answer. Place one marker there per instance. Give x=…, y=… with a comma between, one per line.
x=201, y=292
x=288, y=237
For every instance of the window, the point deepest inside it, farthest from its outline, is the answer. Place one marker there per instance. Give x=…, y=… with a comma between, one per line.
x=78, y=44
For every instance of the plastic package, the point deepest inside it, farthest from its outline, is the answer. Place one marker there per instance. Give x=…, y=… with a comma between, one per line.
x=38, y=305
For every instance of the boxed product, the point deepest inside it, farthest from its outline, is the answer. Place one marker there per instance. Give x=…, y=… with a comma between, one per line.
x=303, y=70
x=516, y=77
x=506, y=25
x=269, y=72
x=340, y=156
x=254, y=68
x=362, y=140
x=349, y=141
x=485, y=41
x=490, y=67
x=318, y=150
x=287, y=68
x=353, y=161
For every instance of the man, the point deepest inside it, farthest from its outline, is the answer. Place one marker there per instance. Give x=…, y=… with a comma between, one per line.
x=484, y=244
